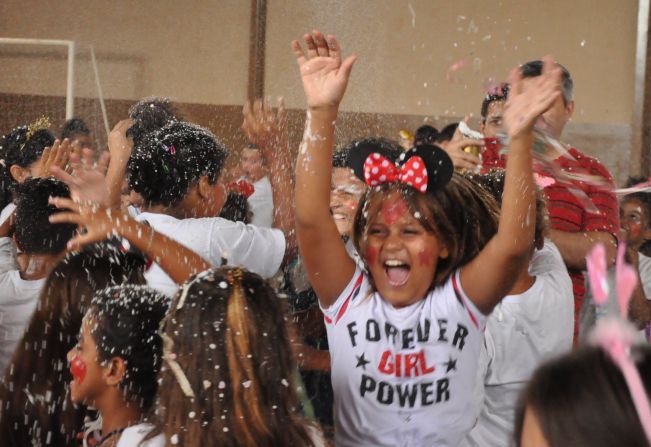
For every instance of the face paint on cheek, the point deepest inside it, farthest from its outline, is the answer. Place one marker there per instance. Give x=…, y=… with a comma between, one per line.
x=78, y=369
x=634, y=230
x=371, y=255
x=425, y=257
x=393, y=210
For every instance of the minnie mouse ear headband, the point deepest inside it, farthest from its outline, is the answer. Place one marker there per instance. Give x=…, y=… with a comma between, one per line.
x=613, y=333
x=424, y=167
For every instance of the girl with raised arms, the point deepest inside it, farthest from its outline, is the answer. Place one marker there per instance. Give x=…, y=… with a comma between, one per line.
x=405, y=334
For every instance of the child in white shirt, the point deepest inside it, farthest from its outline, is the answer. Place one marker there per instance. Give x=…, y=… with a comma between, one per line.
x=41, y=243
x=531, y=324
x=114, y=366
x=405, y=338
x=176, y=170
x=635, y=218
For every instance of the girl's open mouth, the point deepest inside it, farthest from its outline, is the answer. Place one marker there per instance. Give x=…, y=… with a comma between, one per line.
x=397, y=272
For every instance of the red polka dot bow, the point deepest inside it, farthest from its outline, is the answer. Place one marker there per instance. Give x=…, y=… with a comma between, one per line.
x=378, y=169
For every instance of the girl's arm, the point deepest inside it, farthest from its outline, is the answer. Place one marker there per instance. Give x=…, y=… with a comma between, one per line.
x=179, y=262
x=268, y=131
x=120, y=147
x=490, y=276
x=324, y=77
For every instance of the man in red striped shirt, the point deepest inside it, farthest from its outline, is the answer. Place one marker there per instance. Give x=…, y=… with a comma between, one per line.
x=574, y=228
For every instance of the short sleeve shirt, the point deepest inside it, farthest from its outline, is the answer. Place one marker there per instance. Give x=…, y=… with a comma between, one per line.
x=567, y=209
x=403, y=376
x=18, y=299
x=260, y=250
x=567, y=204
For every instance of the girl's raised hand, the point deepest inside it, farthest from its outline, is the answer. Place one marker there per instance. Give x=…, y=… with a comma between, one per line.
x=87, y=182
x=531, y=98
x=323, y=73
x=262, y=126
x=55, y=157
x=97, y=222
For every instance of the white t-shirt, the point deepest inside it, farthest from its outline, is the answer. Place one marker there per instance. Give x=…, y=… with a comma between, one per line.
x=133, y=436
x=403, y=376
x=260, y=250
x=522, y=332
x=6, y=212
x=18, y=299
x=645, y=274
x=644, y=270
x=262, y=203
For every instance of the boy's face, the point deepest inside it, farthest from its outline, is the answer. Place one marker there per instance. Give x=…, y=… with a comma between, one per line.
x=493, y=123
x=345, y=192
x=635, y=222
x=84, y=141
x=252, y=164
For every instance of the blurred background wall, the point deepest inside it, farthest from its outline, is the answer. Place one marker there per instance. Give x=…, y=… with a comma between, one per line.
x=197, y=52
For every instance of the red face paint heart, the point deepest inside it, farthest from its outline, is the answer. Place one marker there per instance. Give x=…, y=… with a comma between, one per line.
x=371, y=255
x=425, y=257
x=393, y=210
x=78, y=369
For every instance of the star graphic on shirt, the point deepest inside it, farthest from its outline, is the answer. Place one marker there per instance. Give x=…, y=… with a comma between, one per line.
x=451, y=365
x=361, y=361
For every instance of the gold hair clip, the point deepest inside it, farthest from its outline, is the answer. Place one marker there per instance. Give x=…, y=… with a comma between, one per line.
x=234, y=278
x=40, y=124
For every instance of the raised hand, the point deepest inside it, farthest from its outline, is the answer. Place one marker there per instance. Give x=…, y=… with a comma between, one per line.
x=87, y=181
x=262, y=126
x=55, y=157
x=118, y=144
x=528, y=100
x=98, y=222
x=324, y=74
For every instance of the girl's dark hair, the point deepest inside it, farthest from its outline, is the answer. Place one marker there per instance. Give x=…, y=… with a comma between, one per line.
x=22, y=148
x=426, y=134
x=167, y=162
x=493, y=182
x=150, y=114
x=73, y=127
x=582, y=400
x=35, y=404
x=461, y=214
x=230, y=339
x=236, y=208
x=34, y=233
x=127, y=319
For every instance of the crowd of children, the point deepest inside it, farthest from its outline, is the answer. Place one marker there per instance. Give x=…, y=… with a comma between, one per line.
x=426, y=292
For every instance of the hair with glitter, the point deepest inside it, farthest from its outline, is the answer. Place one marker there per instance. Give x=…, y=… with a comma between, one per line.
x=35, y=401
x=229, y=338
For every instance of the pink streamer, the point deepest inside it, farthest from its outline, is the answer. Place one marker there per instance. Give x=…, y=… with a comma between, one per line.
x=596, y=263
